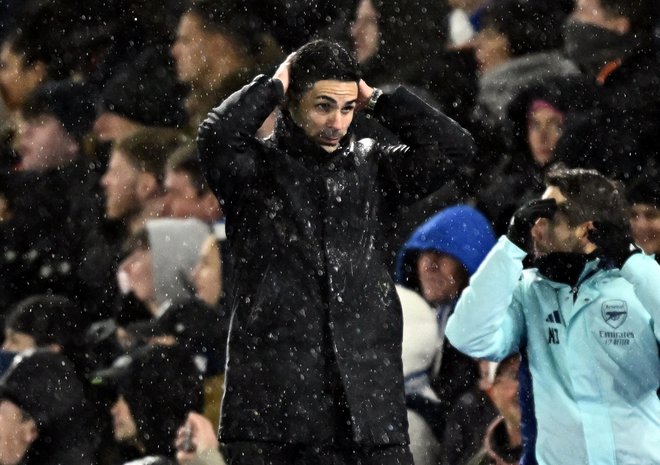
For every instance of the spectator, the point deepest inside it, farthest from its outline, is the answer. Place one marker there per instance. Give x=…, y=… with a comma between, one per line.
x=196, y=442
x=437, y=261
x=208, y=26
x=154, y=389
x=583, y=317
x=44, y=416
x=141, y=93
x=43, y=252
x=644, y=199
x=23, y=70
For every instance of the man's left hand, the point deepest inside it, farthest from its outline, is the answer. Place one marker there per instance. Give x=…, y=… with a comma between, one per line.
x=364, y=94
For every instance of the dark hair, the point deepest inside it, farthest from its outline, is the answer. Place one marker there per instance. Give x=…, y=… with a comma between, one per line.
x=642, y=14
x=48, y=319
x=139, y=240
x=149, y=148
x=645, y=190
x=317, y=61
x=231, y=19
x=590, y=196
x=184, y=159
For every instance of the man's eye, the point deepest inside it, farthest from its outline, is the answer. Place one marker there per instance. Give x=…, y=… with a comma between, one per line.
x=323, y=107
x=347, y=110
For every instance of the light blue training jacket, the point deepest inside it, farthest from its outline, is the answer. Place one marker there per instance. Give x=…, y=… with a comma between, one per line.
x=593, y=352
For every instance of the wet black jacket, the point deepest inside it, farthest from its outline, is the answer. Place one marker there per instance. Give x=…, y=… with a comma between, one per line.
x=315, y=315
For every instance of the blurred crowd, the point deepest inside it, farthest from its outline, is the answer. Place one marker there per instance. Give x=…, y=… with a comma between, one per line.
x=116, y=272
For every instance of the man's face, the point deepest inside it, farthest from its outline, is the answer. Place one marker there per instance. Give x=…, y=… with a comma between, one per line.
x=441, y=277
x=491, y=48
x=17, y=79
x=17, y=341
x=112, y=127
x=326, y=111
x=17, y=433
x=592, y=12
x=120, y=186
x=183, y=199
x=137, y=270
x=645, y=227
x=124, y=428
x=189, y=49
x=365, y=31
x=43, y=143
x=556, y=235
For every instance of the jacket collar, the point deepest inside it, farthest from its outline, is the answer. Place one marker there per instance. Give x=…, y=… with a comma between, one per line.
x=568, y=268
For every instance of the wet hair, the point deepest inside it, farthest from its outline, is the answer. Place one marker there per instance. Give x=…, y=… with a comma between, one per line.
x=149, y=148
x=184, y=160
x=642, y=14
x=49, y=319
x=590, y=196
x=320, y=60
x=644, y=191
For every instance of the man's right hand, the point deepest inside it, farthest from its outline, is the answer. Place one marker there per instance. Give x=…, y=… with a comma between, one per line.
x=525, y=217
x=282, y=72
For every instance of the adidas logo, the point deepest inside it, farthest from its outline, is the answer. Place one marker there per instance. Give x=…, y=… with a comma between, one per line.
x=554, y=317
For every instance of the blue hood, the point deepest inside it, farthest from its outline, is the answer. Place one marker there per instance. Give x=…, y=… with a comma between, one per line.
x=460, y=231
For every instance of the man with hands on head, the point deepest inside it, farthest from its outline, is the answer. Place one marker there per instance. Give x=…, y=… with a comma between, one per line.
x=314, y=355
x=584, y=319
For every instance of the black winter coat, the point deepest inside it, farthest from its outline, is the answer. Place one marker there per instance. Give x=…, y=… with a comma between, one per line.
x=316, y=324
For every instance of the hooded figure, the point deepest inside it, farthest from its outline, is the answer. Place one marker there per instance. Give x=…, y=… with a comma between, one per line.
x=462, y=236
x=175, y=247
x=44, y=386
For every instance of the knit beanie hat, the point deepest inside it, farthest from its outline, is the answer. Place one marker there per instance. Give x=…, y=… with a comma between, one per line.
x=145, y=91
x=69, y=102
x=45, y=386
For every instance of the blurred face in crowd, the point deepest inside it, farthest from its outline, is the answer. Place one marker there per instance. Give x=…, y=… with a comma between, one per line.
x=191, y=49
x=120, y=184
x=43, y=143
x=124, y=428
x=467, y=5
x=326, y=111
x=17, y=432
x=17, y=341
x=592, y=12
x=544, y=128
x=112, y=127
x=207, y=274
x=365, y=31
x=183, y=200
x=556, y=235
x=137, y=270
x=645, y=227
x=17, y=78
x=441, y=277
x=491, y=48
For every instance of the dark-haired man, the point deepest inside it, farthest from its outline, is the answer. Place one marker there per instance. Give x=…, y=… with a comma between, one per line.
x=314, y=369
x=585, y=320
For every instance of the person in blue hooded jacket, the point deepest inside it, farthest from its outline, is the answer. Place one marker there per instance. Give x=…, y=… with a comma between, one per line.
x=437, y=261
x=585, y=319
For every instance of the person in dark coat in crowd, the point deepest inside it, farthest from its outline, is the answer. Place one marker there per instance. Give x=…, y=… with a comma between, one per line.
x=536, y=119
x=612, y=42
x=154, y=387
x=55, y=196
x=44, y=416
x=303, y=211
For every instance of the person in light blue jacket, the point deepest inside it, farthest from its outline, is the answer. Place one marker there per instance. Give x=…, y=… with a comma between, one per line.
x=585, y=318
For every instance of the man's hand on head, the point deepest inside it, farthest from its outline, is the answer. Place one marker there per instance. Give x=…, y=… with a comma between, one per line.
x=525, y=217
x=364, y=94
x=282, y=72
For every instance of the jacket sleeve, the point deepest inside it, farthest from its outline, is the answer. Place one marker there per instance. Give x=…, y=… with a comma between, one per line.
x=433, y=145
x=488, y=321
x=226, y=140
x=644, y=274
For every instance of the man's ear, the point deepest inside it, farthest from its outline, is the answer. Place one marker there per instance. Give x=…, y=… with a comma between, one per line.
x=583, y=232
x=29, y=431
x=147, y=186
x=621, y=25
